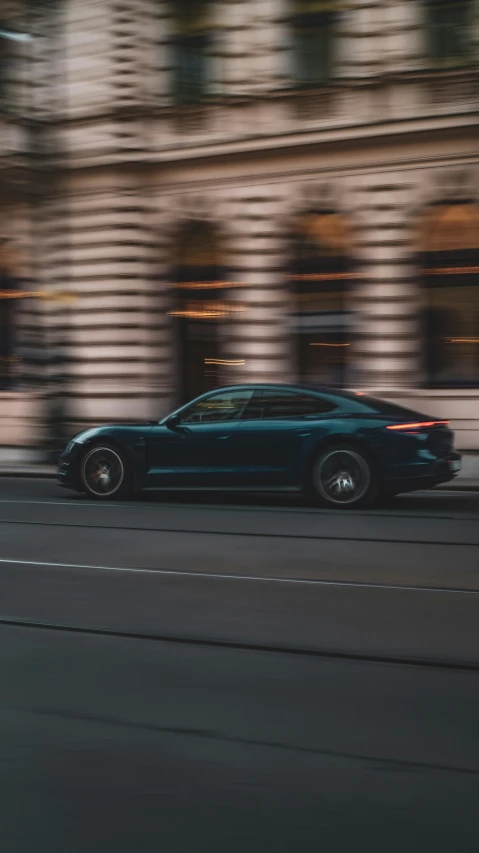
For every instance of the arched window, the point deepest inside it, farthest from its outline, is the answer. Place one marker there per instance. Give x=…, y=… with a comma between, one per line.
x=450, y=251
x=201, y=307
x=448, y=23
x=321, y=276
x=192, y=38
x=313, y=25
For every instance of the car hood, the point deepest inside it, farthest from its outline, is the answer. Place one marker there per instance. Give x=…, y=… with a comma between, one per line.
x=113, y=429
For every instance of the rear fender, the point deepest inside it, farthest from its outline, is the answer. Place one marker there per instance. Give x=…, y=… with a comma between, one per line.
x=352, y=440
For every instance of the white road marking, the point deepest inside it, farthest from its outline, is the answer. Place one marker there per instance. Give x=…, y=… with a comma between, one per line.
x=317, y=511
x=67, y=503
x=251, y=578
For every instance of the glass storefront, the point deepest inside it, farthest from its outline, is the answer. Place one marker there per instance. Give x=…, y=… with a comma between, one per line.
x=200, y=307
x=451, y=295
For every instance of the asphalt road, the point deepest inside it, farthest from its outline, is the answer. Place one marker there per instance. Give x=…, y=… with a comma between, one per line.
x=203, y=673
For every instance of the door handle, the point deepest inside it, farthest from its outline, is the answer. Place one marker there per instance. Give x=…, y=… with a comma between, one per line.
x=222, y=437
x=302, y=433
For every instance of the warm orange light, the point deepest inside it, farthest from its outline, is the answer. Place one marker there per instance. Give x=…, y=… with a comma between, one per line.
x=321, y=276
x=462, y=341
x=418, y=425
x=359, y=393
x=37, y=294
x=224, y=361
x=207, y=311
x=451, y=271
x=328, y=345
x=207, y=285
x=199, y=315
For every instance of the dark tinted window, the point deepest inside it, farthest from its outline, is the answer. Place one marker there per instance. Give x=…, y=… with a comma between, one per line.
x=384, y=407
x=225, y=406
x=449, y=22
x=287, y=404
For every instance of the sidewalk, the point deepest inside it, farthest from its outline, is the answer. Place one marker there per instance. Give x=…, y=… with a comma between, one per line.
x=14, y=466
x=32, y=470
x=24, y=462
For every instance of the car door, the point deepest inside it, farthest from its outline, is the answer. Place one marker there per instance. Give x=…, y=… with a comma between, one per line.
x=278, y=427
x=200, y=450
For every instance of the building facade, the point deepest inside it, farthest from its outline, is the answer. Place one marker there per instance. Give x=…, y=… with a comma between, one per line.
x=238, y=191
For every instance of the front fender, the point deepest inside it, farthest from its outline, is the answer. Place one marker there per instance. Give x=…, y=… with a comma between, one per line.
x=132, y=445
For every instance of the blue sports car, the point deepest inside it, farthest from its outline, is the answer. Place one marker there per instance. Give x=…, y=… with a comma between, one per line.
x=344, y=449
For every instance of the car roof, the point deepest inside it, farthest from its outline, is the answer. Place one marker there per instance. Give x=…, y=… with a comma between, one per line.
x=287, y=386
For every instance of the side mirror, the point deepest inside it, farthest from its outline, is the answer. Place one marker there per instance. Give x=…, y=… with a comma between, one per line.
x=173, y=422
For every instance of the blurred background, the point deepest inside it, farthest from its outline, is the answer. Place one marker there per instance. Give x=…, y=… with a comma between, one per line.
x=197, y=193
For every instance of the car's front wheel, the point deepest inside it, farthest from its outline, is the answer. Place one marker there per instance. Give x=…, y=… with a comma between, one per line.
x=343, y=477
x=105, y=473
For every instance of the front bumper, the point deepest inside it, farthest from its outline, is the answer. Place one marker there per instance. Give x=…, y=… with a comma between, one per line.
x=67, y=471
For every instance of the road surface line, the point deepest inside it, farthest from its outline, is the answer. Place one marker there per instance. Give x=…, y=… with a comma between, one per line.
x=67, y=503
x=293, y=510
x=311, y=537
x=233, y=577
x=209, y=642
x=208, y=734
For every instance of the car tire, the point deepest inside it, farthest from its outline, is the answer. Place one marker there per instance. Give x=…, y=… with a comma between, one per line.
x=105, y=473
x=343, y=477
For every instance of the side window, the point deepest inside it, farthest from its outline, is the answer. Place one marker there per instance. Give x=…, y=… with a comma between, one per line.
x=448, y=23
x=226, y=406
x=191, y=49
x=313, y=26
x=256, y=407
x=287, y=404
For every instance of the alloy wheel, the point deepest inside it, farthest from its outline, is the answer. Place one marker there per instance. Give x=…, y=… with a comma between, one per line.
x=102, y=471
x=342, y=477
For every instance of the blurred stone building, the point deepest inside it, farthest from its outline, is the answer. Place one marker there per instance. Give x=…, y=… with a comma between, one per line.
x=241, y=191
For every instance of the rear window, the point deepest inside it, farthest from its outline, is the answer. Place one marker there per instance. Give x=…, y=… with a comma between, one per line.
x=384, y=407
x=287, y=404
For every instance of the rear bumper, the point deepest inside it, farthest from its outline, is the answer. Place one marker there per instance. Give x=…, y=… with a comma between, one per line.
x=440, y=471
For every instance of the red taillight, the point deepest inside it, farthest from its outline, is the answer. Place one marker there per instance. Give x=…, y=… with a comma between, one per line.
x=418, y=425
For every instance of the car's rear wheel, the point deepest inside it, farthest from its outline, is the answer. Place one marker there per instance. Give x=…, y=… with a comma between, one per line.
x=105, y=473
x=343, y=477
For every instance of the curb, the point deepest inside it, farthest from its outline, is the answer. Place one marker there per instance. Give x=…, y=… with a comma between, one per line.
x=42, y=474
x=14, y=473
x=455, y=487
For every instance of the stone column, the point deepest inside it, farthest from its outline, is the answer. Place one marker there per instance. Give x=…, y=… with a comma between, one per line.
x=250, y=41
x=258, y=338
x=137, y=62
x=387, y=297
x=119, y=360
